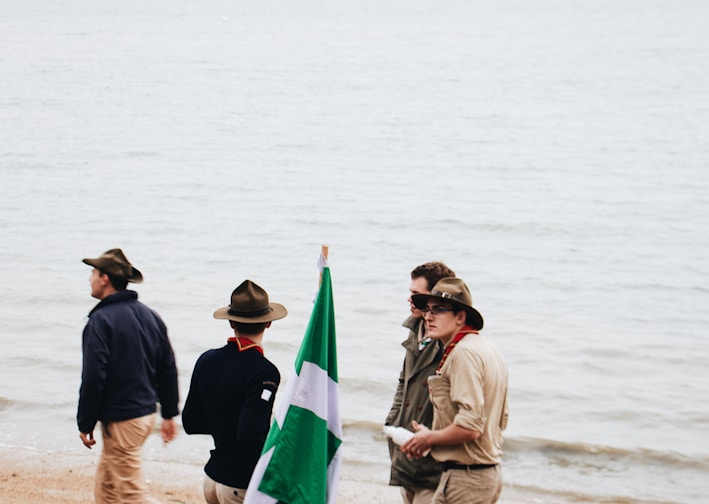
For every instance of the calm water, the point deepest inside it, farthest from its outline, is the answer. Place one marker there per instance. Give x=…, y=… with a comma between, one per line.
x=554, y=154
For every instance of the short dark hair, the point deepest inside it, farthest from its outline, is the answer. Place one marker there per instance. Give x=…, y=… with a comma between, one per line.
x=432, y=272
x=118, y=283
x=248, y=328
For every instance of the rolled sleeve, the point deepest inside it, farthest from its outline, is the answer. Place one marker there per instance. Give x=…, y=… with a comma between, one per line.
x=466, y=391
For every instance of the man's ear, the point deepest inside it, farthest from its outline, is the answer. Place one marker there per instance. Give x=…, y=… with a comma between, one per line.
x=103, y=278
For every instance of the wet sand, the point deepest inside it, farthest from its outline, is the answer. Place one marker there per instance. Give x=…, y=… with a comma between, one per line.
x=31, y=476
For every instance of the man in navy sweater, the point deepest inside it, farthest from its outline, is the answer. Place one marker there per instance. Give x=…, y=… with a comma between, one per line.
x=231, y=395
x=128, y=367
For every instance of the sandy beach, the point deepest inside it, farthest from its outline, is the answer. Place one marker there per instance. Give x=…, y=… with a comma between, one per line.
x=30, y=476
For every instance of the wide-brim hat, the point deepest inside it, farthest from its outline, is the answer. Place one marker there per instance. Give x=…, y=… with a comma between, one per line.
x=114, y=263
x=454, y=291
x=250, y=304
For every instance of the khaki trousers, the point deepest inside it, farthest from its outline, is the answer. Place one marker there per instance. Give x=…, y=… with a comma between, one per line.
x=469, y=486
x=417, y=495
x=118, y=475
x=216, y=493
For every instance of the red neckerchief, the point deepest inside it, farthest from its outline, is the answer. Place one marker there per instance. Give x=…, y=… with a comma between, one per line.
x=449, y=347
x=246, y=344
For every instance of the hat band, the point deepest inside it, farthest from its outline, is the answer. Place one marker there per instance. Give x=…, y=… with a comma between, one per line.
x=446, y=295
x=255, y=313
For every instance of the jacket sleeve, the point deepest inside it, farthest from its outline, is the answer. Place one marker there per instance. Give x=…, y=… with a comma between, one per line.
x=167, y=387
x=255, y=417
x=193, y=411
x=398, y=400
x=95, y=349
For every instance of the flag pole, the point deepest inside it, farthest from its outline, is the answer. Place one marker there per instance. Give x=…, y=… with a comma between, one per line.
x=323, y=251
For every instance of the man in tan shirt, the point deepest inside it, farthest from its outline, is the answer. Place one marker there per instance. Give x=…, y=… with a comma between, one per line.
x=469, y=396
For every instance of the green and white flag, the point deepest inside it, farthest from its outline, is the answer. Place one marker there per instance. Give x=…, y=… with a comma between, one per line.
x=300, y=461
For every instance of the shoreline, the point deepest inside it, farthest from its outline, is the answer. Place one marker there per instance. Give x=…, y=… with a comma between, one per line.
x=31, y=476
x=28, y=476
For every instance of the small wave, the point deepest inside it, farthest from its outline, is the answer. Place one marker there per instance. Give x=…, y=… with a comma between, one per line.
x=53, y=362
x=141, y=154
x=604, y=474
x=362, y=425
x=364, y=385
x=564, y=451
x=546, y=496
x=7, y=404
x=700, y=289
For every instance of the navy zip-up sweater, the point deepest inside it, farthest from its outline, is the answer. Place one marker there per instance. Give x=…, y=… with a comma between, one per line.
x=128, y=363
x=231, y=398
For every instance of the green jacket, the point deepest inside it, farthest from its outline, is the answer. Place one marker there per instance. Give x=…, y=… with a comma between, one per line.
x=411, y=402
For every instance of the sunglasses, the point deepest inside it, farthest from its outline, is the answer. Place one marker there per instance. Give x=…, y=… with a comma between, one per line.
x=435, y=310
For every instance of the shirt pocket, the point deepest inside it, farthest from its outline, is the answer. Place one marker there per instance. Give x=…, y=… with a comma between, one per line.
x=439, y=391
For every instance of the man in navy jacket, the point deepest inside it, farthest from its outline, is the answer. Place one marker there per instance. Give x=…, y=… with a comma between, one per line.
x=231, y=395
x=128, y=367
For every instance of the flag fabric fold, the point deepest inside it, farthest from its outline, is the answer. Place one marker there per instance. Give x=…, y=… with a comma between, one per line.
x=300, y=460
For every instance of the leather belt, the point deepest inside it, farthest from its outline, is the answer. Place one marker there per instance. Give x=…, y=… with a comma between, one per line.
x=474, y=467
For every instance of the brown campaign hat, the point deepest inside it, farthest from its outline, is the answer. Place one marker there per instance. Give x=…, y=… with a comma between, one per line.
x=454, y=291
x=249, y=304
x=114, y=263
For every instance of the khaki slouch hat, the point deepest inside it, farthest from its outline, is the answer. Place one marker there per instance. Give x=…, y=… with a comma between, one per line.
x=250, y=304
x=454, y=291
x=115, y=263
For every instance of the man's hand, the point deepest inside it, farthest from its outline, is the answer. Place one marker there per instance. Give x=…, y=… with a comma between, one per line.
x=168, y=430
x=88, y=439
x=418, y=446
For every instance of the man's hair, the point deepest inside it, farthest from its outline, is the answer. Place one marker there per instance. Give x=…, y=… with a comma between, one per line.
x=432, y=272
x=118, y=283
x=468, y=318
x=250, y=329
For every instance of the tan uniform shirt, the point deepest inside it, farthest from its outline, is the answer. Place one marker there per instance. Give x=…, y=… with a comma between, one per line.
x=471, y=392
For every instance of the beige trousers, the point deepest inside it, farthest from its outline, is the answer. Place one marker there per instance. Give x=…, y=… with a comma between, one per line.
x=118, y=475
x=469, y=486
x=417, y=495
x=216, y=493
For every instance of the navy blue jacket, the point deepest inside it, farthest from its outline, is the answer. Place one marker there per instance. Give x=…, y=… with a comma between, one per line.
x=231, y=398
x=129, y=365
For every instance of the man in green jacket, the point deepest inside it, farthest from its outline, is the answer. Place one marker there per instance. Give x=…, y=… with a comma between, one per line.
x=417, y=478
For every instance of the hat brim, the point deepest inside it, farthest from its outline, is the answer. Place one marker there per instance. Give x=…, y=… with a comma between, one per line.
x=278, y=311
x=100, y=264
x=474, y=317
